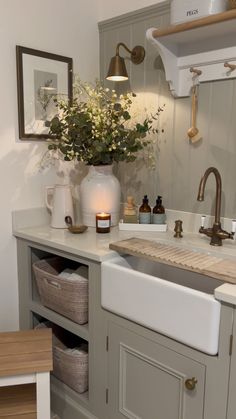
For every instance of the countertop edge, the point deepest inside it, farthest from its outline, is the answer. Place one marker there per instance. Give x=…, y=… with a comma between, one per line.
x=226, y=293
x=62, y=247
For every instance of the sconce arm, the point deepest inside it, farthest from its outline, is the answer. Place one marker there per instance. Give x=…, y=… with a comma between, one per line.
x=121, y=44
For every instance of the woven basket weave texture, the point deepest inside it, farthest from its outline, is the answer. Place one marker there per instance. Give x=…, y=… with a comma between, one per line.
x=65, y=296
x=70, y=368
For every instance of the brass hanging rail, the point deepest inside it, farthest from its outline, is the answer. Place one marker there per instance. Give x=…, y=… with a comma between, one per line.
x=197, y=23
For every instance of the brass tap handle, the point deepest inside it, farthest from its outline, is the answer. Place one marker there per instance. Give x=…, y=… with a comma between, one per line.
x=203, y=221
x=233, y=226
x=190, y=383
x=178, y=229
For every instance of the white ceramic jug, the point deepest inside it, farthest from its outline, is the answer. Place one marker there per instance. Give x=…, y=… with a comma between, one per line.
x=59, y=201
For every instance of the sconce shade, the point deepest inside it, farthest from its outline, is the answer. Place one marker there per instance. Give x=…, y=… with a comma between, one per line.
x=117, y=69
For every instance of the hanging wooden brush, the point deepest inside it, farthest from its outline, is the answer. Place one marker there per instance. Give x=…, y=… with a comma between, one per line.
x=193, y=132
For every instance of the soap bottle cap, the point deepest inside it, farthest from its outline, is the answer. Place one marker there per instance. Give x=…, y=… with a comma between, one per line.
x=159, y=200
x=145, y=199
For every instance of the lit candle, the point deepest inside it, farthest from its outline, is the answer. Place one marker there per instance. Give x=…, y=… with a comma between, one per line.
x=103, y=222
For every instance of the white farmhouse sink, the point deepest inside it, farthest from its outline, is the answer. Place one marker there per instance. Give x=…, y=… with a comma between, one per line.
x=172, y=301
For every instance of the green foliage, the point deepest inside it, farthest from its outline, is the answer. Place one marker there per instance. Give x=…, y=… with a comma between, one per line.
x=97, y=127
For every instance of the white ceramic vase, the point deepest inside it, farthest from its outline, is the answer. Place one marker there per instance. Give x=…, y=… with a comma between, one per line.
x=100, y=192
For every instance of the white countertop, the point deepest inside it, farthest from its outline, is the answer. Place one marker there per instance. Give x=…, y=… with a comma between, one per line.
x=88, y=244
x=94, y=246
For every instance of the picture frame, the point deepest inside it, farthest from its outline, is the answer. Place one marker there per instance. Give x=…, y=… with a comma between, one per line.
x=41, y=77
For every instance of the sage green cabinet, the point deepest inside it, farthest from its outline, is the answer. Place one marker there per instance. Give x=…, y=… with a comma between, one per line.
x=151, y=376
x=133, y=372
x=148, y=380
x=231, y=413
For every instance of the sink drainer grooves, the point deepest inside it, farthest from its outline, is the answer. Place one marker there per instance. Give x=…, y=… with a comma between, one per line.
x=224, y=269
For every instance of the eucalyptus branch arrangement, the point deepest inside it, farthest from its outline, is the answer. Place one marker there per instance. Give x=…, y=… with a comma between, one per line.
x=97, y=127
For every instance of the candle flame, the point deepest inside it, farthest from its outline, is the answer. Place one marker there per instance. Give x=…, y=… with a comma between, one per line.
x=103, y=214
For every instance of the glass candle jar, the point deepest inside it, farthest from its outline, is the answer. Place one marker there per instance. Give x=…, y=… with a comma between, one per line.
x=103, y=222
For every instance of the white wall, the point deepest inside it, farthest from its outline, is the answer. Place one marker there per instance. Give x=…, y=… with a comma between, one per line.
x=109, y=8
x=63, y=27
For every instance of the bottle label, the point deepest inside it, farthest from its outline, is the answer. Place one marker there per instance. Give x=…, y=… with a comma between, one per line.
x=103, y=223
x=159, y=218
x=144, y=218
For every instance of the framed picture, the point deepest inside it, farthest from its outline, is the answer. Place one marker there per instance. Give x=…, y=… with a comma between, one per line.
x=41, y=77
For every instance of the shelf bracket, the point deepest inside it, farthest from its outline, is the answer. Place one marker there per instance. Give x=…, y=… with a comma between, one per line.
x=208, y=50
x=169, y=61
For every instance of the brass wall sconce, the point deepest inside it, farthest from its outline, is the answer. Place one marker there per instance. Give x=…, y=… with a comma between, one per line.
x=117, y=69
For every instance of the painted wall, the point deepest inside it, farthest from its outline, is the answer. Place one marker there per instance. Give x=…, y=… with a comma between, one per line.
x=59, y=27
x=109, y=9
x=179, y=164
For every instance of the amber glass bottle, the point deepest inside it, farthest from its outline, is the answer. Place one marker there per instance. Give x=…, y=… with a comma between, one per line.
x=159, y=216
x=145, y=212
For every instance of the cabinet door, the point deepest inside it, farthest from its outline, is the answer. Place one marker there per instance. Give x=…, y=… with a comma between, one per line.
x=231, y=412
x=147, y=380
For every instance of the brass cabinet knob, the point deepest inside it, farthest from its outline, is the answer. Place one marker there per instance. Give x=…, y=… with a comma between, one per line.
x=190, y=383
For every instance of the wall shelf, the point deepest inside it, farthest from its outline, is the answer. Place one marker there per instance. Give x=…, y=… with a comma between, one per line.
x=205, y=44
x=75, y=328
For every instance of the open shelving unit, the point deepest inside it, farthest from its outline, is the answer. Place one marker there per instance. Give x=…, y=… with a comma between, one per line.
x=204, y=44
x=40, y=313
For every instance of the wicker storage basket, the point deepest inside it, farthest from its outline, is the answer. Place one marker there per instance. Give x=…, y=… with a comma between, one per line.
x=65, y=296
x=70, y=368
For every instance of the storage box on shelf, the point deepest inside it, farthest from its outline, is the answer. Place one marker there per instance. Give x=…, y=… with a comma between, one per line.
x=72, y=367
x=68, y=297
x=187, y=10
x=70, y=358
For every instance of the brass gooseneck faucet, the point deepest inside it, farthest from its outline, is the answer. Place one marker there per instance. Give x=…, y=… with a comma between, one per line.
x=216, y=233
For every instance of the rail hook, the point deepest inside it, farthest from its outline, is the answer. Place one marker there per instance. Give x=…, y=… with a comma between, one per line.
x=231, y=67
x=195, y=71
